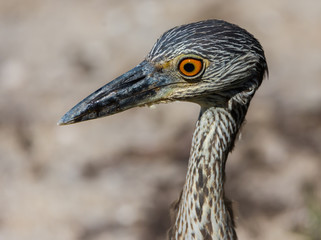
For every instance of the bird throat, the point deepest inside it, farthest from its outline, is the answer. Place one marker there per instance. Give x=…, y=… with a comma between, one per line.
x=202, y=211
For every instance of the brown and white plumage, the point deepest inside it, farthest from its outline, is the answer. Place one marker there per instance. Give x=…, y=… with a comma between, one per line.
x=215, y=64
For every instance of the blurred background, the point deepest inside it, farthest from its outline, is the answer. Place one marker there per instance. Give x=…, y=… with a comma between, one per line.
x=115, y=178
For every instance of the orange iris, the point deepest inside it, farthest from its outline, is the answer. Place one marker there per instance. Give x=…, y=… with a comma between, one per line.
x=190, y=67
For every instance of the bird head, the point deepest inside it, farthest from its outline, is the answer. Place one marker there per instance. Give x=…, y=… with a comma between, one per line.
x=208, y=62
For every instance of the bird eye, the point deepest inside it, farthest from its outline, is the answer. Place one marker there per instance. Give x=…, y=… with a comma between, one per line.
x=190, y=67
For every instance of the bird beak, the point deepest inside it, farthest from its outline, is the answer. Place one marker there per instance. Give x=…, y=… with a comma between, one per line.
x=138, y=87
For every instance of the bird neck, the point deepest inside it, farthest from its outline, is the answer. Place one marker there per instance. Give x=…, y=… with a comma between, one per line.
x=202, y=211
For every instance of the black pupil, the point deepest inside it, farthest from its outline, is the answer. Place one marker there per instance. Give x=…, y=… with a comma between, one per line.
x=189, y=67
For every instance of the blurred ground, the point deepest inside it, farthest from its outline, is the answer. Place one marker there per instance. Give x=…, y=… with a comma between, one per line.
x=115, y=178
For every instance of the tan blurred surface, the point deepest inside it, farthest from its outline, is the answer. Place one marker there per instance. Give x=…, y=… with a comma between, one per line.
x=114, y=178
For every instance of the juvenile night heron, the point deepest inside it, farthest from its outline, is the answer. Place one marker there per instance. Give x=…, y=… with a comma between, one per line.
x=215, y=64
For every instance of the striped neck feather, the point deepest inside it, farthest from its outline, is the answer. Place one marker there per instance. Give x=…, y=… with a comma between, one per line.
x=202, y=210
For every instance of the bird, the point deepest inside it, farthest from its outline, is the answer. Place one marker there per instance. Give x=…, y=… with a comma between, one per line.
x=215, y=64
